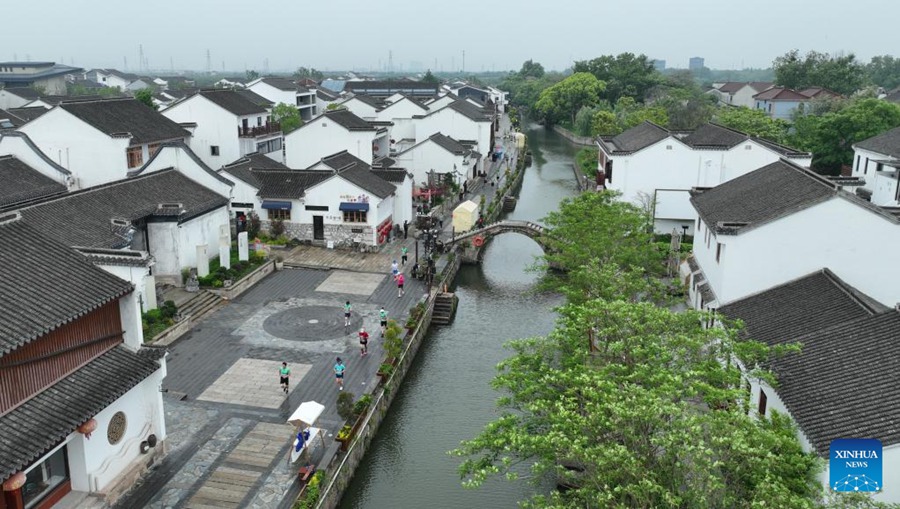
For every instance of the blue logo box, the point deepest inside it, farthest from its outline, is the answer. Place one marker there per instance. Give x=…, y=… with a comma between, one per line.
x=855, y=465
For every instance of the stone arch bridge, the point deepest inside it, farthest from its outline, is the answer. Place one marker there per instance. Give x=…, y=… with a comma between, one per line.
x=465, y=243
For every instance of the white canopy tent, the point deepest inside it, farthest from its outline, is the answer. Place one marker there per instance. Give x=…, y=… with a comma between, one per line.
x=303, y=418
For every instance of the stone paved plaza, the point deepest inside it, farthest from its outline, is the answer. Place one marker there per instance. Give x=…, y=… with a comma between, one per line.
x=226, y=414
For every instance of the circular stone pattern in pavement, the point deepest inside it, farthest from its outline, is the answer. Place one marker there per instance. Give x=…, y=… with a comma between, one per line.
x=311, y=323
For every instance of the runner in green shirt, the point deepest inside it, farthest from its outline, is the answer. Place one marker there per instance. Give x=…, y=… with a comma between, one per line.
x=383, y=316
x=403, y=252
x=285, y=373
x=347, y=309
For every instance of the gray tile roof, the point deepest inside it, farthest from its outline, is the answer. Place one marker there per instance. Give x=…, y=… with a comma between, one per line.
x=24, y=92
x=363, y=177
x=45, y=284
x=122, y=257
x=190, y=153
x=241, y=168
x=284, y=84
x=887, y=143
x=341, y=160
x=763, y=195
x=286, y=183
x=42, y=422
x=349, y=120
x=638, y=137
x=119, y=116
x=22, y=182
x=368, y=99
x=14, y=120
x=813, y=302
x=326, y=95
x=470, y=110
x=844, y=381
x=232, y=101
x=781, y=94
x=255, y=98
x=393, y=175
x=390, y=87
x=711, y=135
x=82, y=218
x=30, y=113
x=449, y=144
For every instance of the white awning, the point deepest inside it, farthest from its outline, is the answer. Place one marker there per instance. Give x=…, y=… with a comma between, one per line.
x=306, y=414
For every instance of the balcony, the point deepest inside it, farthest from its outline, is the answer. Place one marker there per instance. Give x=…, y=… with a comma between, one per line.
x=255, y=132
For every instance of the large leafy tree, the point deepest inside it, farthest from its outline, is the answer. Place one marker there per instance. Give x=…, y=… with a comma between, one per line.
x=309, y=72
x=830, y=136
x=840, y=73
x=632, y=406
x=288, y=115
x=145, y=95
x=531, y=69
x=626, y=74
x=563, y=100
x=753, y=122
x=430, y=77
x=884, y=71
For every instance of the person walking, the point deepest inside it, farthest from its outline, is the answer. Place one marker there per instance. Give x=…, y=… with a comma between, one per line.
x=285, y=375
x=363, y=341
x=395, y=269
x=347, y=309
x=404, y=252
x=339, y=369
x=400, y=282
x=382, y=315
x=405, y=229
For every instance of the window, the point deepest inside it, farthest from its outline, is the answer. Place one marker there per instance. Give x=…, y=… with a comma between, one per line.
x=213, y=150
x=866, y=167
x=135, y=156
x=265, y=147
x=698, y=225
x=718, y=251
x=748, y=147
x=763, y=400
x=355, y=216
x=276, y=214
x=317, y=207
x=44, y=478
x=152, y=149
x=879, y=167
x=116, y=429
x=668, y=147
x=857, y=163
x=259, y=121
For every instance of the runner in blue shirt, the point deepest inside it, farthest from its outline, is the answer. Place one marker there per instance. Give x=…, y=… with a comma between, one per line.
x=339, y=373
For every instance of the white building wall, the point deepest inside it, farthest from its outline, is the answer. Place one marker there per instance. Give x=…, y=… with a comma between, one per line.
x=17, y=146
x=401, y=109
x=403, y=129
x=456, y=126
x=426, y=156
x=8, y=100
x=93, y=157
x=201, y=230
x=143, y=283
x=322, y=137
x=403, y=203
x=360, y=109
x=245, y=193
x=276, y=95
x=178, y=158
x=744, y=97
x=215, y=127
x=94, y=464
x=836, y=234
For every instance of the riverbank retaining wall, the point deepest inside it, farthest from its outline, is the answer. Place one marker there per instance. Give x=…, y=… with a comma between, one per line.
x=587, y=141
x=343, y=468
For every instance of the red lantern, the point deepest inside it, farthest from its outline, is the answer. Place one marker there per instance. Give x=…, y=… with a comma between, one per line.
x=15, y=482
x=87, y=428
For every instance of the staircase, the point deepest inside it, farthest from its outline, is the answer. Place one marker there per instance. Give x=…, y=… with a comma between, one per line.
x=203, y=303
x=444, y=308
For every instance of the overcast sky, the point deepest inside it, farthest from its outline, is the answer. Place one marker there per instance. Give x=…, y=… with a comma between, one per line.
x=494, y=35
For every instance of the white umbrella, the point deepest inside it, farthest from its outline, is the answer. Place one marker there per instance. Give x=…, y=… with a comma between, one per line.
x=306, y=414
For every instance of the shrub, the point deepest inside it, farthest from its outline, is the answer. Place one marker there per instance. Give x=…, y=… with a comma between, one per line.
x=277, y=228
x=253, y=226
x=386, y=369
x=362, y=404
x=345, y=405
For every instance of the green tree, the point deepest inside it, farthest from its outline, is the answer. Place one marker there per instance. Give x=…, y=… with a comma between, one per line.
x=310, y=72
x=625, y=75
x=251, y=75
x=753, y=122
x=600, y=229
x=531, y=69
x=145, y=95
x=635, y=406
x=840, y=73
x=430, y=78
x=884, y=71
x=563, y=100
x=604, y=122
x=830, y=136
x=288, y=116
x=335, y=106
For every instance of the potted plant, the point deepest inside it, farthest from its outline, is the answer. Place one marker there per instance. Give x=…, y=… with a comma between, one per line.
x=345, y=411
x=279, y=262
x=393, y=341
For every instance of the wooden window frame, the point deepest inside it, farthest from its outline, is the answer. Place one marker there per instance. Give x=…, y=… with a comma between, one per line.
x=356, y=216
x=134, y=156
x=279, y=214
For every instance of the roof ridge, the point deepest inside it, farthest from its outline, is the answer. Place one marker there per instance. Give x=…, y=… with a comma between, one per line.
x=851, y=292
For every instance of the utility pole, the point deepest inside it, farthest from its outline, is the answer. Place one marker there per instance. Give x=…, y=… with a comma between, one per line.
x=390, y=61
x=208, y=63
x=140, y=58
x=125, y=61
x=172, y=64
x=464, y=62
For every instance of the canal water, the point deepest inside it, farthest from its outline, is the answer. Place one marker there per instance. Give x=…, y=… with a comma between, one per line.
x=446, y=396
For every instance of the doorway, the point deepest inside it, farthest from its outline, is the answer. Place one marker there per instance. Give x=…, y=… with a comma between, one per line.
x=319, y=227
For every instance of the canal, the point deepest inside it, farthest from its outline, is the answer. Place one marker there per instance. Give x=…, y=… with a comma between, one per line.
x=447, y=397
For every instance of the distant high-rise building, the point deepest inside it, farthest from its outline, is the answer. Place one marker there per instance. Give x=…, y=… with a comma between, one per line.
x=659, y=65
x=696, y=63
